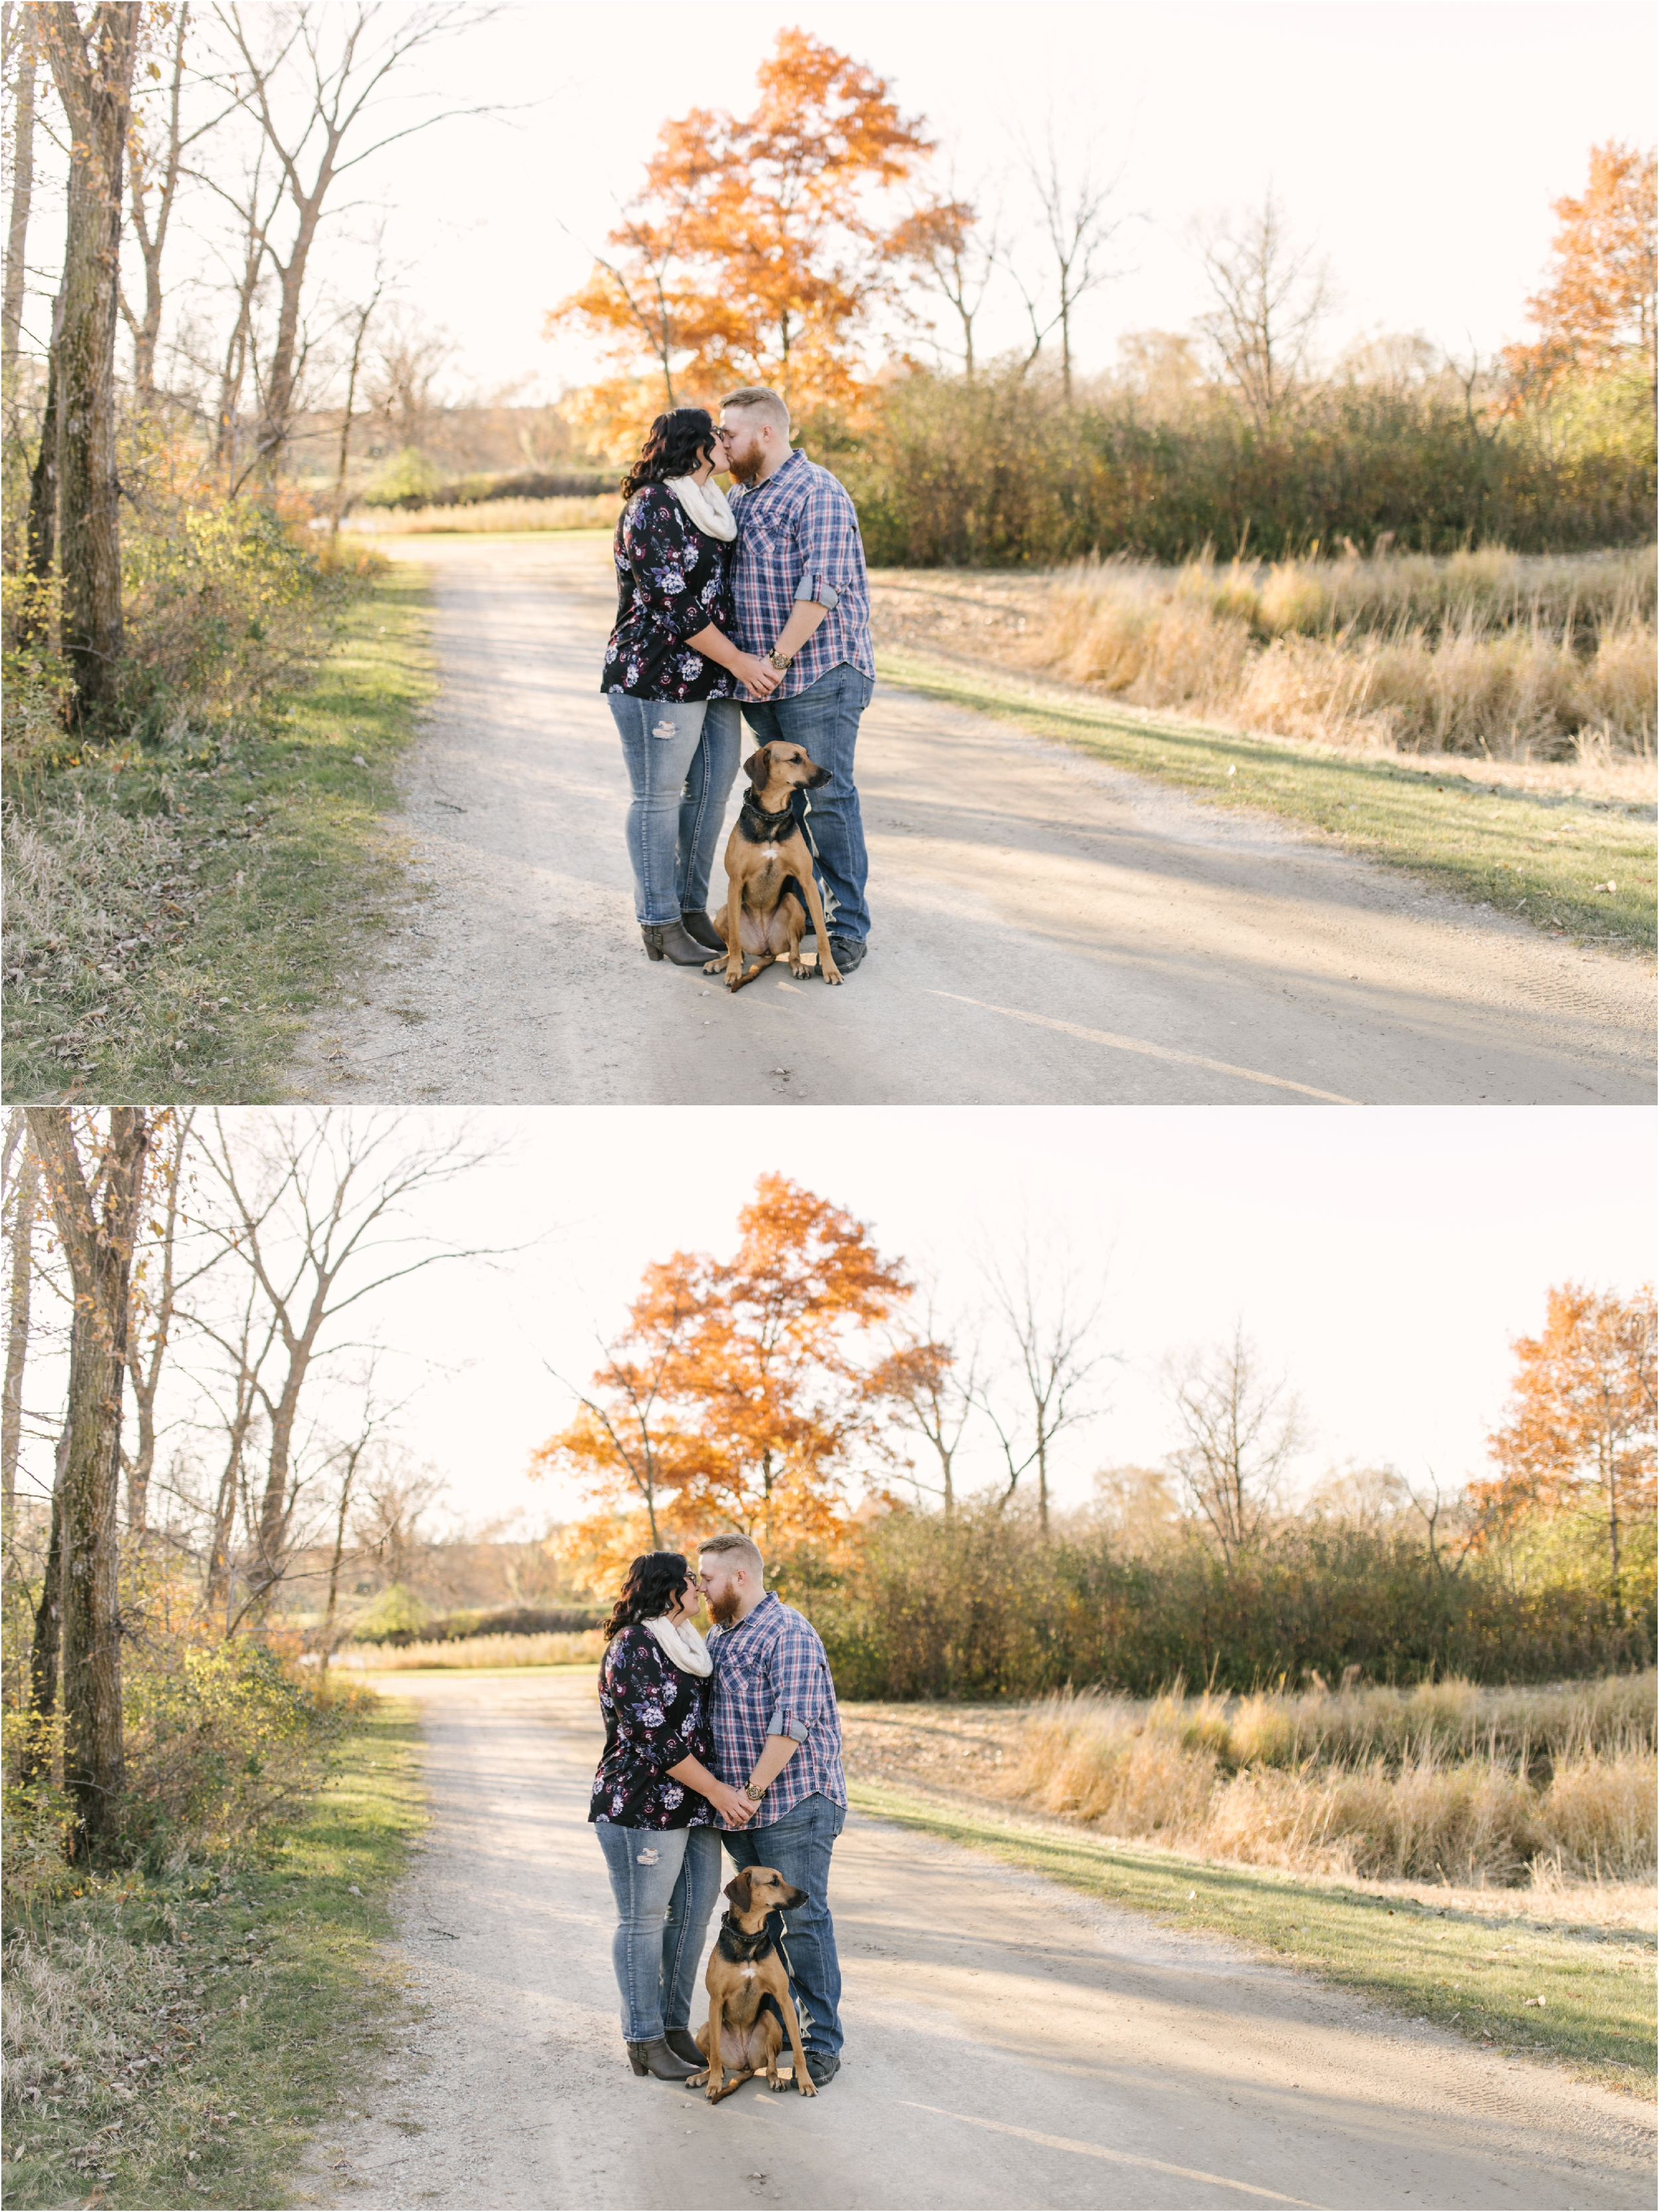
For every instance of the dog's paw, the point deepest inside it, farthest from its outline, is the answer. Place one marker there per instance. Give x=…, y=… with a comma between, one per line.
x=805, y=2084
x=832, y=975
x=714, y=967
x=696, y=2081
x=777, y=2083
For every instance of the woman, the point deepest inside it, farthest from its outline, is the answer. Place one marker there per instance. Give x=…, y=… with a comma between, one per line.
x=671, y=670
x=655, y=1805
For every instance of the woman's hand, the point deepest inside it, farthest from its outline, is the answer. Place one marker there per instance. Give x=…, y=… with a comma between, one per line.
x=758, y=677
x=734, y=1807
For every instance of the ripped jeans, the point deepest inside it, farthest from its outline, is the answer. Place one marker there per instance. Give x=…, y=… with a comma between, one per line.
x=682, y=758
x=665, y=1882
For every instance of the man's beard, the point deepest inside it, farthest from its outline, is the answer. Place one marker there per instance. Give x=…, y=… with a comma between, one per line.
x=743, y=471
x=724, y=1611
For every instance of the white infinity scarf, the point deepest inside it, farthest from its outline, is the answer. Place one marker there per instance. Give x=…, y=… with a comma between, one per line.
x=708, y=508
x=684, y=1645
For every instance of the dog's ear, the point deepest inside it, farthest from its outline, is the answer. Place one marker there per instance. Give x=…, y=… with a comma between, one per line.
x=758, y=766
x=738, y=1891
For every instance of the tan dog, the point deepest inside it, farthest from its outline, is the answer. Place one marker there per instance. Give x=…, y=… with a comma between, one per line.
x=765, y=849
x=744, y=1967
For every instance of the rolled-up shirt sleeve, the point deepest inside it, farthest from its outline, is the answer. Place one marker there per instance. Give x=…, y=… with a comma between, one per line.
x=800, y=1685
x=827, y=532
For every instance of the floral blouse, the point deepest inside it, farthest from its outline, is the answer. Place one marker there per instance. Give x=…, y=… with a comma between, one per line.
x=655, y=1716
x=671, y=581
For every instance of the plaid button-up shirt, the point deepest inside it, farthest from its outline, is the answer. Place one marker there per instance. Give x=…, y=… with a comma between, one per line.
x=772, y=1678
x=797, y=538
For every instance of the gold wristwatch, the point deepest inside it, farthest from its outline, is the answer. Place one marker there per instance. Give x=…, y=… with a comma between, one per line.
x=754, y=1795
x=778, y=661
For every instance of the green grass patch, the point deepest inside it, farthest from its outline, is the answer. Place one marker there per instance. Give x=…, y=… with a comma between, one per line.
x=255, y=1996
x=1531, y=854
x=1478, y=1974
x=202, y=896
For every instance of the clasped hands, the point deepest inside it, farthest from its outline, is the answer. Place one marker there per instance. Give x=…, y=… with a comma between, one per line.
x=758, y=677
x=734, y=1809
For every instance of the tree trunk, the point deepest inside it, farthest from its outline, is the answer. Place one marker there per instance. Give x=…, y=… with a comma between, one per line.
x=17, y=1326
x=94, y=75
x=17, y=224
x=40, y=541
x=99, y=1249
x=35, y=1764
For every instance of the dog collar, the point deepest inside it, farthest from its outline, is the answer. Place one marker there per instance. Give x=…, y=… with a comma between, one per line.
x=772, y=823
x=747, y=1946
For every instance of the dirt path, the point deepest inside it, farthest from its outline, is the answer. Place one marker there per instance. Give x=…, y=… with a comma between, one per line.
x=1046, y=929
x=1009, y=2043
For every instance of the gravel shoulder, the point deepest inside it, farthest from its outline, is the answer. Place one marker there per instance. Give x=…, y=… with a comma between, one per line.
x=1047, y=929
x=1009, y=2042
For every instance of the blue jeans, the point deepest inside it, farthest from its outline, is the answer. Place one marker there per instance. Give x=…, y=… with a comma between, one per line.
x=682, y=758
x=799, y=1843
x=823, y=721
x=665, y=1882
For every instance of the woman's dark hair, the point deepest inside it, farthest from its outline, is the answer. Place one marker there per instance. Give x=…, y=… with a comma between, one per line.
x=649, y=1588
x=677, y=444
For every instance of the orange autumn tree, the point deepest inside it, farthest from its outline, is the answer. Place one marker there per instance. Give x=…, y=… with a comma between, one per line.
x=1580, y=1423
x=1596, y=315
x=758, y=244
x=739, y=1396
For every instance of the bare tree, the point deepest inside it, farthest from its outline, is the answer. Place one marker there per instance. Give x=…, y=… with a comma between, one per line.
x=1077, y=223
x=1049, y=1314
x=1270, y=295
x=341, y=67
x=930, y=1396
x=92, y=67
x=97, y=1221
x=147, y=1358
x=317, y=1214
x=365, y=316
x=1242, y=1433
x=18, y=47
x=155, y=173
x=955, y=259
x=22, y=1199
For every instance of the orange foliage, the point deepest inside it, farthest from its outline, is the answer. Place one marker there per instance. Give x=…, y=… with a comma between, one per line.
x=757, y=246
x=1597, y=312
x=1582, y=1415
x=739, y=1395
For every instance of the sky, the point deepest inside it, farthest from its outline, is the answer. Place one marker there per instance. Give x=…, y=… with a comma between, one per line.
x=1417, y=143
x=1383, y=1259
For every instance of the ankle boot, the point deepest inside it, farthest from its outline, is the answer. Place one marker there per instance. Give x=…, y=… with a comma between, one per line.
x=656, y=2059
x=679, y=2041
x=667, y=941
x=697, y=925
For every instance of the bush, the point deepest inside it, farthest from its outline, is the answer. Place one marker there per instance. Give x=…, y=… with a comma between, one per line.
x=458, y=1627
x=1002, y=471
x=981, y=1607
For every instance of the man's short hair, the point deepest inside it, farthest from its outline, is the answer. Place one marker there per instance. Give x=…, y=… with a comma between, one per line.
x=740, y=1551
x=761, y=399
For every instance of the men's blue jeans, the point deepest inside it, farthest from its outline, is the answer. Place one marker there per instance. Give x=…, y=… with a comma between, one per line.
x=665, y=1882
x=682, y=758
x=799, y=1843
x=823, y=721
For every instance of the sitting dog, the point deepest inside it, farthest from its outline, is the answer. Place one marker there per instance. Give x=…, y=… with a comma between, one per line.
x=767, y=862
x=744, y=1967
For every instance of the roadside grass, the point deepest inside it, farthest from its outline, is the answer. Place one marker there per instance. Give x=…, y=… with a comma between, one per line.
x=1539, y=857
x=1475, y=1973
x=235, y=2007
x=175, y=913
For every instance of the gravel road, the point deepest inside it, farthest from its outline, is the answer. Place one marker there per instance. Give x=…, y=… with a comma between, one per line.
x=1009, y=2043
x=1046, y=929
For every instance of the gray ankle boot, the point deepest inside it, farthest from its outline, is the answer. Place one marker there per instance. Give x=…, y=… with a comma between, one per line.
x=667, y=941
x=656, y=2059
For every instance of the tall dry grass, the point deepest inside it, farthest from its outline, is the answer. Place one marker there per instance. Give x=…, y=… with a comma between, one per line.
x=1489, y=652
x=1447, y=1781
x=557, y=1648
x=490, y=514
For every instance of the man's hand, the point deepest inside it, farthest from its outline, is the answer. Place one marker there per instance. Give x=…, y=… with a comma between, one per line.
x=734, y=1807
x=758, y=677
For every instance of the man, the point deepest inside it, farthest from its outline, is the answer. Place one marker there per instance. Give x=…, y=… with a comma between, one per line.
x=777, y=1739
x=803, y=604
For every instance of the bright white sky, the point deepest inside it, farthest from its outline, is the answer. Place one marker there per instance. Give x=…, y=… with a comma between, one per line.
x=1384, y=1258
x=1420, y=143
